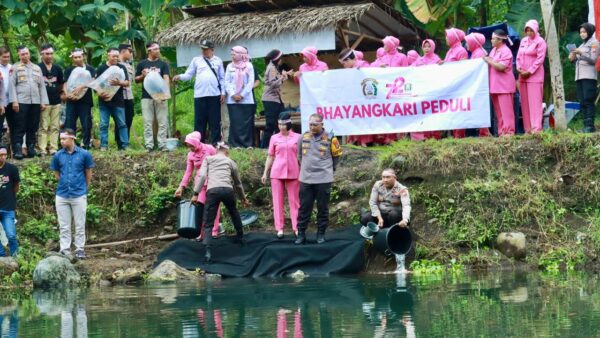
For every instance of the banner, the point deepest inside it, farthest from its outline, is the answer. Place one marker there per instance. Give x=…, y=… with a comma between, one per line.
x=398, y=100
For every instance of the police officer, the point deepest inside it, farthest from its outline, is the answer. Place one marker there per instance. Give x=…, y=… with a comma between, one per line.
x=29, y=98
x=318, y=154
x=389, y=203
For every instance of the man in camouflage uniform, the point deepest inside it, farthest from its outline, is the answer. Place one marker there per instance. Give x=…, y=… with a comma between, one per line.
x=318, y=154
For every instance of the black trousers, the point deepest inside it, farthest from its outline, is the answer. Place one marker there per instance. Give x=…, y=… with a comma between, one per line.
x=83, y=112
x=214, y=196
x=272, y=111
x=207, y=110
x=308, y=194
x=389, y=218
x=586, y=94
x=128, y=122
x=26, y=123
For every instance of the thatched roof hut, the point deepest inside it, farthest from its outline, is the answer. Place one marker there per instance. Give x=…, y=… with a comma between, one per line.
x=288, y=25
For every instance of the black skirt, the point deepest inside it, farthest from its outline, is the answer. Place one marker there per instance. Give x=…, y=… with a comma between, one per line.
x=241, y=125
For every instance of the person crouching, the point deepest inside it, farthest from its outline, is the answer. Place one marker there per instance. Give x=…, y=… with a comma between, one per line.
x=389, y=202
x=223, y=179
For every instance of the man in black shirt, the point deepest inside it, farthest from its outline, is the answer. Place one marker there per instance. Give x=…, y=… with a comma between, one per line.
x=9, y=186
x=47, y=136
x=153, y=109
x=114, y=106
x=79, y=108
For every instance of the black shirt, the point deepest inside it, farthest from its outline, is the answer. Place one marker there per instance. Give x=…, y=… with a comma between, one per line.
x=117, y=100
x=53, y=79
x=87, y=97
x=9, y=176
x=159, y=64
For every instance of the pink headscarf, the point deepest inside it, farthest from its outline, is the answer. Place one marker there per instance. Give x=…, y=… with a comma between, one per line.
x=429, y=58
x=391, y=43
x=195, y=139
x=475, y=42
x=360, y=61
x=240, y=62
x=412, y=56
x=454, y=36
x=312, y=62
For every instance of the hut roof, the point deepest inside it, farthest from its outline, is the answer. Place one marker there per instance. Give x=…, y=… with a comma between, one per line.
x=225, y=23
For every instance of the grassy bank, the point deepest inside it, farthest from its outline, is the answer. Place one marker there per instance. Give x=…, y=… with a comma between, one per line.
x=464, y=192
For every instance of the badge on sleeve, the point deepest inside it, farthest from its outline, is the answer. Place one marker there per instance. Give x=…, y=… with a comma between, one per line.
x=336, y=148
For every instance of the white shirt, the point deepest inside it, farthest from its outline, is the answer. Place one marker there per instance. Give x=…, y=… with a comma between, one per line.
x=5, y=75
x=246, y=91
x=206, y=82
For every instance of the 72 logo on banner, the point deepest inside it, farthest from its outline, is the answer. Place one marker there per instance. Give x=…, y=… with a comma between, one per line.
x=399, y=88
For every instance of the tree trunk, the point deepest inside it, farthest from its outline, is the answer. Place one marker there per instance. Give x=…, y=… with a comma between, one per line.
x=556, y=73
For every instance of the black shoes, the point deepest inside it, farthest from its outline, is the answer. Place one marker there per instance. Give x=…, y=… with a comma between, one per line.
x=320, y=238
x=18, y=152
x=301, y=238
x=31, y=153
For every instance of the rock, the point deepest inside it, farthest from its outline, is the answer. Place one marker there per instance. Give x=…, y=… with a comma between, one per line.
x=212, y=277
x=298, y=275
x=343, y=205
x=512, y=244
x=399, y=161
x=517, y=295
x=55, y=271
x=168, y=228
x=130, y=275
x=8, y=265
x=432, y=221
x=105, y=250
x=168, y=272
x=104, y=283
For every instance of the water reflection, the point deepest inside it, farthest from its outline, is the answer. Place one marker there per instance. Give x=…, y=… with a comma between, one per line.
x=395, y=305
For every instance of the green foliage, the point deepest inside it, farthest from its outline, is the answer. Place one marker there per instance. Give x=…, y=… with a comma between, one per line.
x=558, y=259
x=159, y=199
x=42, y=230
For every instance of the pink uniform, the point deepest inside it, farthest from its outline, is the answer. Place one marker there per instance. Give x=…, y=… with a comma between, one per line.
x=313, y=64
x=380, y=53
x=475, y=42
x=392, y=57
x=430, y=58
x=194, y=162
x=530, y=58
x=412, y=57
x=284, y=175
x=502, y=89
x=456, y=53
x=360, y=60
x=282, y=330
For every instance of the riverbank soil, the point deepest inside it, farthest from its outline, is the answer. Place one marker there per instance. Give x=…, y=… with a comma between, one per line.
x=464, y=193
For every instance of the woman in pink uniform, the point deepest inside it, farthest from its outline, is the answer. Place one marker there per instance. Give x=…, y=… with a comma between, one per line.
x=429, y=58
x=530, y=65
x=457, y=52
x=311, y=63
x=502, y=83
x=475, y=42
x=349, y=59
x=392, y=57
x=380, y=53
x=282, y=161
x=360, y=59
x=412, y=56
x=198, y=152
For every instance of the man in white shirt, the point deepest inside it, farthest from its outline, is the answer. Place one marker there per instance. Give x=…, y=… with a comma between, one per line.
x=5, y=109
x=209, y=91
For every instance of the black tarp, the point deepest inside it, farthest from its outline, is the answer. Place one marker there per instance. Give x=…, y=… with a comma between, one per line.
x=264, y=255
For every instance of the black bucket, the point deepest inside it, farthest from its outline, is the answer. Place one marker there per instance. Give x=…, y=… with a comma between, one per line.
x=393, y=240
x=186, y=220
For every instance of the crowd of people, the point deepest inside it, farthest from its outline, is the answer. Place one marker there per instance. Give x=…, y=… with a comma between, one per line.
x=301, y=164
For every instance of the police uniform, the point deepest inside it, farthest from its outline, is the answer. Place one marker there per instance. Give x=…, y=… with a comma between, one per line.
x=318, y=156
x=27, y=88
x=393, y=205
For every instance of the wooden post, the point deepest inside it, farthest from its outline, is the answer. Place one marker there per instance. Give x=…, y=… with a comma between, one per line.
x=556, y=73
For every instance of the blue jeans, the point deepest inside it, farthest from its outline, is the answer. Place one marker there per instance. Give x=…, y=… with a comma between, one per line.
x=7, y=218
x=118, y=115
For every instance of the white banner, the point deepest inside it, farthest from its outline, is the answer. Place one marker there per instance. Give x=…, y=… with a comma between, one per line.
x=398, y=100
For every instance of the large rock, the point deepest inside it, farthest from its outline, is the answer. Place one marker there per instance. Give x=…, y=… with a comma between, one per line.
x=130, y=275
x=55, y=272
x=169, y=272
x=8, y=265
x=512, y=244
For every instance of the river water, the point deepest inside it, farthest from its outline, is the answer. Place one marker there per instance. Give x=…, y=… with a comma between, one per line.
x=503, y=304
